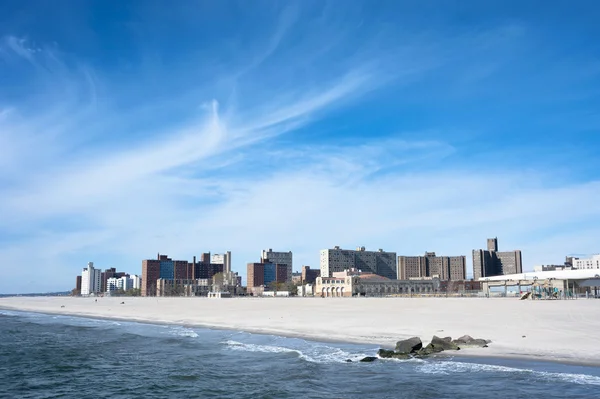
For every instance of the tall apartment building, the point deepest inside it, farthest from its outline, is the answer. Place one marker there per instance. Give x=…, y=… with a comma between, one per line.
x=91, y=280
x=255, y=275
x=430, y=265
x=378, y=262
x=262, y=274
x=162, y=267
x=587, y=263
x=491, y=262
x=280, y=258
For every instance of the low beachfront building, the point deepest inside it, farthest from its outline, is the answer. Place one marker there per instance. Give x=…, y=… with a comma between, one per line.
x=352, y=282
x=184, y=287
x=306, y=290
x=556, y=283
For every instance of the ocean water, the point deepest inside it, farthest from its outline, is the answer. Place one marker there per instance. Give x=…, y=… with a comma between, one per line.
x=45, y=356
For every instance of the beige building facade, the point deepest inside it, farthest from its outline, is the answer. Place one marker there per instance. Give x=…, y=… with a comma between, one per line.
x=351, y=282
x=377, y=262
x=430, y=265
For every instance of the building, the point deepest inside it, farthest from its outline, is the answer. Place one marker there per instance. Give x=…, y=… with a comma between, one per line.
x=183, y=287
x=281, y=258
x=555, y=284
x=136, y=282
x=491, y=262
x=91, y=281
x=430, y=265
x=296, y=278
x=377, y=262
x=353, y=282
x=222, y=259
x=309, y=276
x=111, y=285
x=587, y=263
x=123, y=283
x=306, y=290
x=162, y=267
x=260, y=275
x=78, y=285
x=255, y=275
x=458, y=286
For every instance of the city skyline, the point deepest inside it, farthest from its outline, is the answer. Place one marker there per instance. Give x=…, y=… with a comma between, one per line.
x=302, y=125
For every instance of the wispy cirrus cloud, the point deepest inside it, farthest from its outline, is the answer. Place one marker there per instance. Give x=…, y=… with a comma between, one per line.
x=301, y=133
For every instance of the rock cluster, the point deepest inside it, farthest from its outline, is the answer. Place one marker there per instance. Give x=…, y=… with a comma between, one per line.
x=413, y=347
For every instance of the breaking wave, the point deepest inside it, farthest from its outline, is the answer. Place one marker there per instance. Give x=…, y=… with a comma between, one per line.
x=317, y=354
x=453, y=367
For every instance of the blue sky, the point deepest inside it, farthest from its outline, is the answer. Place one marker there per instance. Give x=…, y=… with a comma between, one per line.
x=128, y=129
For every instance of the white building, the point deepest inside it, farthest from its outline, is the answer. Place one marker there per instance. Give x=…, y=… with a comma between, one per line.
x=306, y=290
x=222, y=259
x=587, y=263
x=136, y=282
x=91, y=281
x=123, y=283
x=377, y=262
x=281, y=258
x=112, y=284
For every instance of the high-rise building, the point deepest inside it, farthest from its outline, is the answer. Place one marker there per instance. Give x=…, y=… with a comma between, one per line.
x=162, y=267
x=281, y=258
x=430, y=265
x=91, y=281
x=136, y=282
x=586, y=263
x=255, y=275
x=105, y=275
x=378, y=262
x=491, y=262
x=261, y=274
x=222, y=259
x=78, y=285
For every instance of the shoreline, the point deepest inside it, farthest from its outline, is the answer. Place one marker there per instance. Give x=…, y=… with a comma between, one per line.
x=337, y=321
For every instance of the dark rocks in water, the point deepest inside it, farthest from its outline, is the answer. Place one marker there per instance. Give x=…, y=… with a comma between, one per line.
x=385, y=354
x=348, y=361
x=467, y=341
x=410, y=345
x=445, y=344
x=430, y=349
x=389, y=354
x=368, y=359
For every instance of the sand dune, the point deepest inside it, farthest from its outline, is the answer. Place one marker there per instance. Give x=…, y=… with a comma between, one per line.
x=564, y=331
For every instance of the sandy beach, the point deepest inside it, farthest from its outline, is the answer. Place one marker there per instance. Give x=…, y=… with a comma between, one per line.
x=564, y=331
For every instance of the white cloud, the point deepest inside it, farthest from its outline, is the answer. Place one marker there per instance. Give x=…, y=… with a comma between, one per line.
x=83, y=188
x=21, y=47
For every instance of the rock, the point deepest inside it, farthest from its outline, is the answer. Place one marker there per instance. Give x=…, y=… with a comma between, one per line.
x=348, y=361
x=467, y=341
x=368, y=359
x=410, y=345
x=443, y=344
x=385, y=354
x=428, y=350
x=388, y=354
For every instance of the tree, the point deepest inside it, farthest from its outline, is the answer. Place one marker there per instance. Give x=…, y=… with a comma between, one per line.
x=292, y=287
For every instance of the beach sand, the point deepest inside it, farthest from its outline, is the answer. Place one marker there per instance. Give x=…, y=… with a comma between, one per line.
x=564, y=331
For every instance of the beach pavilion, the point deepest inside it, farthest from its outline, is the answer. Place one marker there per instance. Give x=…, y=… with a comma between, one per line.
x=558, y=283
